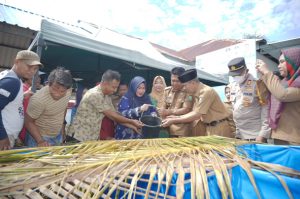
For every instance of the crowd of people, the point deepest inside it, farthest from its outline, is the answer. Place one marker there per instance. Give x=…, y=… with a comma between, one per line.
x=254, y=110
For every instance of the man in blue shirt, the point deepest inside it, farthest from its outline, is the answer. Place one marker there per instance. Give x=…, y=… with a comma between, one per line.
x=25, y=65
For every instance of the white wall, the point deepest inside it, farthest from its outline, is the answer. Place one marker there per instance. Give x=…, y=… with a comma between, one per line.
x=216, y=62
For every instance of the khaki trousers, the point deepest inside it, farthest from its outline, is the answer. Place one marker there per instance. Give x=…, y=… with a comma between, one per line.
x=221, y=129
x=199, y=129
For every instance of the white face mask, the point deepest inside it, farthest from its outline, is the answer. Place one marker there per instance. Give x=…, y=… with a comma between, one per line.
x=239, y=79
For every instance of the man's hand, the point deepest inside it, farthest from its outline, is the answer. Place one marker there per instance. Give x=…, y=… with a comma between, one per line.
x=167, y=122
x=4, y=144
x=163, y=112
x=137, y=123
x=28, y=94
x=43, y=143
x=261, y=67
x=260, y=139
x=134, y=128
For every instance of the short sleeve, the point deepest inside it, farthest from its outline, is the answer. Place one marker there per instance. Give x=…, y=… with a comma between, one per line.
x=35, y=107
x=188, y=101
x=9, y=88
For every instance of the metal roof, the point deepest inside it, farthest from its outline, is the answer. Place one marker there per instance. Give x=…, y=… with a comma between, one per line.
x=17, y=30
x=208, y=46
x=12, y=40
x=274, y=49
x=23, y=18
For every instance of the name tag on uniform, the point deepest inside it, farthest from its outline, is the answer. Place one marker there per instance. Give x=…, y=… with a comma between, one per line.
x=248, y=94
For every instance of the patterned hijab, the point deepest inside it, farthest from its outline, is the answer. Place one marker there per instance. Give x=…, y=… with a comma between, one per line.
x=159, y=96
x=292, y=58
x=134, y=100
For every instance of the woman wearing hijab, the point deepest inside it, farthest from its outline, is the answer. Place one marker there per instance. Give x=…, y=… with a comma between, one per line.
x=284, y=101
x=157, y=92
x=132, y=105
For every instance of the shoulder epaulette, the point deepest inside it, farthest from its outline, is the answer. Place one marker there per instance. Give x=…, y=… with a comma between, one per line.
x=168, y=88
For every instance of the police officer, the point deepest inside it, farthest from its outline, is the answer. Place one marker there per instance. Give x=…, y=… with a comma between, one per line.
x=250, y=112
x=208, y=107
x=176, y=102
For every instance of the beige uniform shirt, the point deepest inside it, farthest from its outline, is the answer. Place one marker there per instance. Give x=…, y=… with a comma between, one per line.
x=289, y=126
x=87, y=122
x=210, y=106
x=176, y=100
x=47, y=112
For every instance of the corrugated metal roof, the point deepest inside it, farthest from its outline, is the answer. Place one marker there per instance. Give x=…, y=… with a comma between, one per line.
x=274, y=49
x=206, y=47
x=190, y=53
x=12, y=40
x=18, y=28
x=168, y=51
x=23, y=18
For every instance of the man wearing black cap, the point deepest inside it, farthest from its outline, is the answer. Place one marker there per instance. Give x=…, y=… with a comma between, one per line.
x=207, y=108
x=176, y=102
x=250, y=112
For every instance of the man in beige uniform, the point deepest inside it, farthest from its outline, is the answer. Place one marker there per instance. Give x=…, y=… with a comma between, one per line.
x=177, y=102
x=207, y=108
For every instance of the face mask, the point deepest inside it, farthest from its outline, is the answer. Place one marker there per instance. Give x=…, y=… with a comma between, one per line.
x=239, y=79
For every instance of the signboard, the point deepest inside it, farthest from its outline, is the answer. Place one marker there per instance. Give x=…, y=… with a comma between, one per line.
x=216, y=62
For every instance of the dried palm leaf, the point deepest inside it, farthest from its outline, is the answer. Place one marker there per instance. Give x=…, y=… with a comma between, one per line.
x=157, y=168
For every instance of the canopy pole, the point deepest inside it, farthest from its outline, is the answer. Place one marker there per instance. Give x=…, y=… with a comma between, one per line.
x=38, y=40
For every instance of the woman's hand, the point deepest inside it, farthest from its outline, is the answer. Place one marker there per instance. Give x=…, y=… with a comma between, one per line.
x=145, y=107
x=261, y=67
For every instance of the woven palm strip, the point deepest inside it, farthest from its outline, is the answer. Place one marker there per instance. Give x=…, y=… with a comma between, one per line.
x=117, y=169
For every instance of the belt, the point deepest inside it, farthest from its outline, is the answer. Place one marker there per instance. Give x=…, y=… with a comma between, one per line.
x=215, y=123
x=249, y=139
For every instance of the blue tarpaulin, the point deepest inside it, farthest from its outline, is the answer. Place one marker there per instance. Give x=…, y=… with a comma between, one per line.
x=288, y=156
x=269, y=186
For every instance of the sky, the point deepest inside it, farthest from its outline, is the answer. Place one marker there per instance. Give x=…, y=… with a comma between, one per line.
x=178, y=24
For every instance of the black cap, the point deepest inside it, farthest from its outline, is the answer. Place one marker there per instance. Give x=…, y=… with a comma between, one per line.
x=177, y=71
x=236, y=66
x=188, y=75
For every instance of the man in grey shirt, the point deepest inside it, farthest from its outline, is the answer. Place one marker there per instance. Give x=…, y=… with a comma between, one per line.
x=250, y=111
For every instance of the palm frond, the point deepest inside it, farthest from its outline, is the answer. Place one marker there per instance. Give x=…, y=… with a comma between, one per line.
x=157, y=168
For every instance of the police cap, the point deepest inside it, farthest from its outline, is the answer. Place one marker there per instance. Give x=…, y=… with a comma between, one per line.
x=236, y=66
